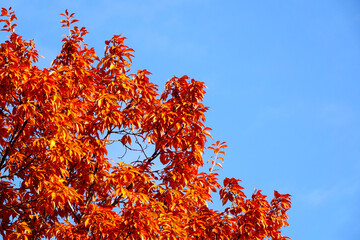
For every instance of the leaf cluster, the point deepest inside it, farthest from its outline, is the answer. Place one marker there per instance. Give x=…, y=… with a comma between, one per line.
x=56, y=123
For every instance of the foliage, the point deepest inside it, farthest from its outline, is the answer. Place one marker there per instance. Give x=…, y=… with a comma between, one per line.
x=56, y=123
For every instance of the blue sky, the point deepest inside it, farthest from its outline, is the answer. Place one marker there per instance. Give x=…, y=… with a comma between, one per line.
x=283, y=86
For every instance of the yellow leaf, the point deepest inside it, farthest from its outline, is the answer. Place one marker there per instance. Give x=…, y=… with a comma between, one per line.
x=52, y=144
x=87, y=222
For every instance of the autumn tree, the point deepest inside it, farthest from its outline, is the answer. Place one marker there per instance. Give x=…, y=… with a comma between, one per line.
x=56, y=123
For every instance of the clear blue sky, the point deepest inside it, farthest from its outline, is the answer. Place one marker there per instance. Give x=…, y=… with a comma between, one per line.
x=283, y=81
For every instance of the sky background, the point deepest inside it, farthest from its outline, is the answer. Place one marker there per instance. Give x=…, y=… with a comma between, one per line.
x=283, y=85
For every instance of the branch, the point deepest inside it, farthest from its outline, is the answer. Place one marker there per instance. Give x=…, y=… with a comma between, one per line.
x=22, y=168
x=73, y=211
x=91, y=188
x=12, y=143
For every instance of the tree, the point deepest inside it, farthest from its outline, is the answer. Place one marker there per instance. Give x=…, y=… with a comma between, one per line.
x=56, y=123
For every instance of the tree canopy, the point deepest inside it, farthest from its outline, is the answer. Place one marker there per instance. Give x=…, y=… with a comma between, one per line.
x=56, y=123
